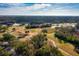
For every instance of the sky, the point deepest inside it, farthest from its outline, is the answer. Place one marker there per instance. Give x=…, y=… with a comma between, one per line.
x=38, y=9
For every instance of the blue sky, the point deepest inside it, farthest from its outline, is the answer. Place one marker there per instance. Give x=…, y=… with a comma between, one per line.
x=49, y=9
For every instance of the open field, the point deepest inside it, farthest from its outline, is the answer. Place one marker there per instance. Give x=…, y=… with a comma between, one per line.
x=69, y=48
x=66, y=48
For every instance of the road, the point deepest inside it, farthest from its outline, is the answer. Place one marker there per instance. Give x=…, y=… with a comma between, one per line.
x=52, y=42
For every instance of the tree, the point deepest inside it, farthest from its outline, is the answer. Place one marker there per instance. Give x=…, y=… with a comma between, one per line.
x=39, y=40
x=44, y=30
x=47, y=50
x=1, y=50
x=28, y=26
x=8, y=37
x=4, y=52
x=68, y=35
x=77, y=26
x=24, y=48
x=3, y=28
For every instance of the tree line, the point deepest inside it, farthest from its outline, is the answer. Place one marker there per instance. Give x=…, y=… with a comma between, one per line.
x=67, y=35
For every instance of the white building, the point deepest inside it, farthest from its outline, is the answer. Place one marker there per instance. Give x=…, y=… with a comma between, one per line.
x=64, y=25
x=16, y=24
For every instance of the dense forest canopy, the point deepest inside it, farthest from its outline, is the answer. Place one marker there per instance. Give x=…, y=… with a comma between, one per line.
x=39, y=19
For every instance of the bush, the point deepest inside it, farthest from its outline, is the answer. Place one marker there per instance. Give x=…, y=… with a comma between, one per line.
x=3, y=28
x=8, y=37
x=28, y=26
x=44, y=30
x=3, y=52
x=47, y=50
x=24, y=49
x=39, y=40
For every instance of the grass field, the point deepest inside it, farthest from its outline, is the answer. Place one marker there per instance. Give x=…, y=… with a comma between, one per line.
x=69, y=48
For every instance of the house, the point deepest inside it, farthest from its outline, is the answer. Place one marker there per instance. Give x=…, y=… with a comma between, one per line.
x=16, y=24
x=64, y=25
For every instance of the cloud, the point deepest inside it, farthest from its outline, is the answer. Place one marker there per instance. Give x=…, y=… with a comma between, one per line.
x=38, y=9
x=39, y=6
x=17, y=10
x=57, y=12
x=10, y=5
